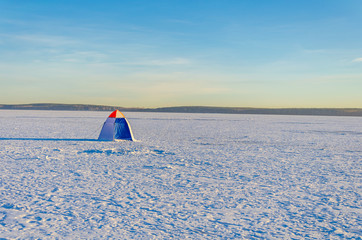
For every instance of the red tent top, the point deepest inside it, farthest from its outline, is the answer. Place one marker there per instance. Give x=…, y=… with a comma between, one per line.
x=116, y=114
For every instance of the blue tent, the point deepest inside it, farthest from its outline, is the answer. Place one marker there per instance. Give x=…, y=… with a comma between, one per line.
x=116, y=127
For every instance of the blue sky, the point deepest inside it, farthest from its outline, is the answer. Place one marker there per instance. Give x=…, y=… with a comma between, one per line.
x=236, y=53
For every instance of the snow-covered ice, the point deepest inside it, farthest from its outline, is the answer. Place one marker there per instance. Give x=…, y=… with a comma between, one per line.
x=193, y=176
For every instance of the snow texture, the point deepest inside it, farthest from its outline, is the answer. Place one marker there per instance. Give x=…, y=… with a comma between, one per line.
x=189, y=176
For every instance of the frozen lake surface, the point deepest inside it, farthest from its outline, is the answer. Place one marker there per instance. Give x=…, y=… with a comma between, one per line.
x=193, y=176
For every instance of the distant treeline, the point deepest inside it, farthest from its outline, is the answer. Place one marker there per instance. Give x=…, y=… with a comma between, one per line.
x=193, y=109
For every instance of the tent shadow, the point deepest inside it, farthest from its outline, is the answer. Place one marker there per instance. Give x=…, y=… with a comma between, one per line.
x=49, y=139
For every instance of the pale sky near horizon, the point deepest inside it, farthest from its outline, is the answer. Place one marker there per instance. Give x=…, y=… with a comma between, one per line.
x=141, y=53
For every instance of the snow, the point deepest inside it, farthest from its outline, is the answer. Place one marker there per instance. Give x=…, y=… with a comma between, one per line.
x=192, y=176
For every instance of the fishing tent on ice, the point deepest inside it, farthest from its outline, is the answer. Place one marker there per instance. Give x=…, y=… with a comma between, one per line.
x=116, y=127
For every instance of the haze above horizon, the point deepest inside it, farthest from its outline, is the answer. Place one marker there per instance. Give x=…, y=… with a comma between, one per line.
x=182, y=53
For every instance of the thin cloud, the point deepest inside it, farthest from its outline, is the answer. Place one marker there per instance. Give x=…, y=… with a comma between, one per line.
x=174, y=61
x=357, y=60
x=161, y=62
x=181, y=21
x=48, y=40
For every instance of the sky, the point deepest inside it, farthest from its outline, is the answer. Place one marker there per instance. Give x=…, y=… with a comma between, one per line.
x=142, y=53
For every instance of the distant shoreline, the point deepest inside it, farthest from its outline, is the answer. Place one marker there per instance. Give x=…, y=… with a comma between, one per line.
x=356, y=112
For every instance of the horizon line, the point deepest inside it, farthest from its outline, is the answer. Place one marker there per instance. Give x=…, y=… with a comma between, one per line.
x=173, y=106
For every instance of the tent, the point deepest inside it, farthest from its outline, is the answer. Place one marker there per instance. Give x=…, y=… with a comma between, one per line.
x=116, y=127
